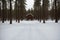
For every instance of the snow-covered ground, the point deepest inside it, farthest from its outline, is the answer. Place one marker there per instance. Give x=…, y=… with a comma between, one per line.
x=30, y=30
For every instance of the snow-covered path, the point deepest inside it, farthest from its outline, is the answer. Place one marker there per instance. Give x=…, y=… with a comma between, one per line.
x=30, y=30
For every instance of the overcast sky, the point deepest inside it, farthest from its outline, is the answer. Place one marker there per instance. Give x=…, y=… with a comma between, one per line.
x=31, y=2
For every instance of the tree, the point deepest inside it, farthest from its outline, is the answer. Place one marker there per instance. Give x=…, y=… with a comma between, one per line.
x=45, y=9
x=0, y=11
x=56, y=12
x=3, y=10
x=21, y=9
x=16, y=10
x=10, y=12
x=52, y=14
x=58, y=9
x=37, y=9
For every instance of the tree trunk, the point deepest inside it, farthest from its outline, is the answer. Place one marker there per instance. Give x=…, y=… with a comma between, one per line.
x=43, y=12
x=3, y=12
x=10, y=12
x=18, y=21
x=43, y=20
x=40, y=20
x=56, y=18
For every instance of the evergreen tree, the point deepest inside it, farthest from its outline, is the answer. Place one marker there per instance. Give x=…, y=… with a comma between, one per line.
x=16, y=10
x=37, y=9
x=21, y=9
x=3, y=10
x=0, y=11
x=45, y=9
x=52, y=12
x=56, y=12
x=52, y=15
x=10, y=12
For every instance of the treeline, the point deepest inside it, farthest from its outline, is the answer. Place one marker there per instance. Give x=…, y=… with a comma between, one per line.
x=41, y=10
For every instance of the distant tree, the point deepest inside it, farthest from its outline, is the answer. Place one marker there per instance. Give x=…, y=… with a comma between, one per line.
x=5, y=9
x=32, y=11
x=8, y=10
x=52, y=12
x=16, y=10
x=29, y=11
x=8, y=14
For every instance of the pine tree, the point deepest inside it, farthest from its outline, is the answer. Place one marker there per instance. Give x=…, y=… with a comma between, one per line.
x=0, y=11
x=52, y=14
x=3, y=10
x=56, y=14
x=10, y=12
x=58, y=9
x=16, y=10
x=45, y=9
x=37, y=9
x=21, y=9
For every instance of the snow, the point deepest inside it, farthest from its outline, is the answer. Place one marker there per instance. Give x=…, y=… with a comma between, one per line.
x=30, y=30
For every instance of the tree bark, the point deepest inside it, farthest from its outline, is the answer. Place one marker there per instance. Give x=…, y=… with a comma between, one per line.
x=56, y=18
x=10, y=12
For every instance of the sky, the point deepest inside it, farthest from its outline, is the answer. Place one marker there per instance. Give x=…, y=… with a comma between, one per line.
x=30, y=4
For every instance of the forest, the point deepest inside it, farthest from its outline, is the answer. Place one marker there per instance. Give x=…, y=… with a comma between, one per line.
x=40, y=11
